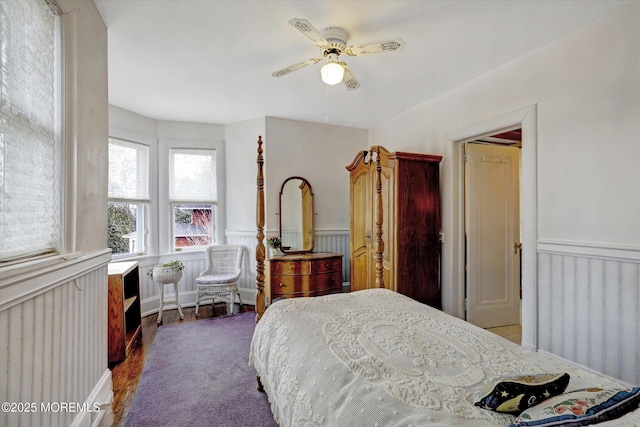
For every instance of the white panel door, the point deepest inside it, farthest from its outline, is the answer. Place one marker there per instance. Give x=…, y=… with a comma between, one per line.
x=493, y=235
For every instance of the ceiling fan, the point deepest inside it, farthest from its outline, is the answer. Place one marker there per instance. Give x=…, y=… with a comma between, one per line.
x=333, y=44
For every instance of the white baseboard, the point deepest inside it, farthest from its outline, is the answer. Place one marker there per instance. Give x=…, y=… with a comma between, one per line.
x=100, y=397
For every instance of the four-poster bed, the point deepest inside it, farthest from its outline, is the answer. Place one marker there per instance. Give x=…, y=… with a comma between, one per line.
x=378, y=358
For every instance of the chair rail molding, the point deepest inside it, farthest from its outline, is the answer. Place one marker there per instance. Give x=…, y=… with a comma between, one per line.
x=626, y=253
x=20, y=288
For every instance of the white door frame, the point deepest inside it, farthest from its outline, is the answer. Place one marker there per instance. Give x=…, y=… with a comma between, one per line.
x=526, y=119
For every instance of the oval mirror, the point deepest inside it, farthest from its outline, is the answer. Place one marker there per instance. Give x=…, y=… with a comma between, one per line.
x=296, y=216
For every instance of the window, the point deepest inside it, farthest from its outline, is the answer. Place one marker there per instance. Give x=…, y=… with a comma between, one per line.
x=30, y=147
x=193, y=195
x=128, y=196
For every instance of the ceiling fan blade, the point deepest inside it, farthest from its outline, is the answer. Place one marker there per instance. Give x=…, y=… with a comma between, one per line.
x=310, y=31
x=295, y=67
x=375, y=47
x=349, y=79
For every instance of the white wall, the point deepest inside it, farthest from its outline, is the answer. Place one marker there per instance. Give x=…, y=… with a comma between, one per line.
x=318, y=152
x=587, y=91
x=315, y=151
x=241, y=139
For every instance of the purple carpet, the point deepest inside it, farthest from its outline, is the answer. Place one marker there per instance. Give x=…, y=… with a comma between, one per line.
x=197, y=374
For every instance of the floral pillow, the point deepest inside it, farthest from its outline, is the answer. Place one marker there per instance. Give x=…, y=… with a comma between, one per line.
x=581, y=408
x=514, y=394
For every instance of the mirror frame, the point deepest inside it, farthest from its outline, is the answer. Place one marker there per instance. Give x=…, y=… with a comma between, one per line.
x=313, y=221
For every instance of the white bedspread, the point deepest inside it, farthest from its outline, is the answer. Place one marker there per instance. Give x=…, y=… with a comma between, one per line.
x=377, y=358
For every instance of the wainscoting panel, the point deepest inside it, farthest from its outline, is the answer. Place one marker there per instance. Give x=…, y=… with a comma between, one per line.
x=247, y=282
x=589, y=309
x=336, y=241
x=54, y=349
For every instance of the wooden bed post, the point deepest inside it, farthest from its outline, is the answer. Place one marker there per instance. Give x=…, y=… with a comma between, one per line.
x=260, y=250
x=379, y=241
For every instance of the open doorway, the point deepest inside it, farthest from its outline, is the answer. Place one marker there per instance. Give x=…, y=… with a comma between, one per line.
x=524, y=118
x=492, y=232
x=492, y=229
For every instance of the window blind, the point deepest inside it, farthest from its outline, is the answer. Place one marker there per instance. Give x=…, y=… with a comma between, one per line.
x=192, y=175
x=128, y=171
x=30, y=150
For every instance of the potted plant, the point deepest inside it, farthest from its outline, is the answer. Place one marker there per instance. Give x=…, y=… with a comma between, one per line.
x=274, y=243
x=167, y=272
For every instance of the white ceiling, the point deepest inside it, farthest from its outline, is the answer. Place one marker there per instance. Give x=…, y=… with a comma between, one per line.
x=210, y=61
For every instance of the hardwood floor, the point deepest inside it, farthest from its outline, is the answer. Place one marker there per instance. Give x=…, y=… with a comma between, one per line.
x=126, y=374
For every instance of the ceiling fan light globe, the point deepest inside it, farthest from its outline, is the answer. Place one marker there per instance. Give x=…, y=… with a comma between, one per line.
x=332, y=73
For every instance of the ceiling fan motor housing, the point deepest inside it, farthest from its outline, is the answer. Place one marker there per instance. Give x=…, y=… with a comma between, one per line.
x=332, y=42
x=337, y=38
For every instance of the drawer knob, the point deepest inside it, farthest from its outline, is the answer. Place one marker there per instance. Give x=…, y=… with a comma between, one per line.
x=282, y=285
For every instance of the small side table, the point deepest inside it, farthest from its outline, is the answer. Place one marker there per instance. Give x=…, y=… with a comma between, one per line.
x=164, y=302
x=165, y=276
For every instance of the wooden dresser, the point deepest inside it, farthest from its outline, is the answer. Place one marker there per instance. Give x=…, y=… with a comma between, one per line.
x=304, y=275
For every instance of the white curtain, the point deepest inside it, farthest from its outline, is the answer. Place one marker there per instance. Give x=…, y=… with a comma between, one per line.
x=192, y=175
x=128, y=171
x=29, y=144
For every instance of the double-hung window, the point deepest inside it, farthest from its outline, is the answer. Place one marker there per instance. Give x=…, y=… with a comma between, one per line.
x=193, y=196
x=30, y=146
x=128, y=196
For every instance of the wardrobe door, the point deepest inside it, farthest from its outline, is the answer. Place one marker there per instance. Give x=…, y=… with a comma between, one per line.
x=418, y=258
x=361, y=238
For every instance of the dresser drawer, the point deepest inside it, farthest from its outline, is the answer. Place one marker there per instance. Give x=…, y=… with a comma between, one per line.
x=283, y=284
x=305, y=285
x=300, y=267
x=326, y=265
x=328, y=282
x=307, y=266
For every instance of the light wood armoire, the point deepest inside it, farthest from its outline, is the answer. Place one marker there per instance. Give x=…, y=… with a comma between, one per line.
x=410, y=228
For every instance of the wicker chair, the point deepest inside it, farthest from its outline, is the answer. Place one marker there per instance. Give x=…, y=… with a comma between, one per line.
x=220, y=280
